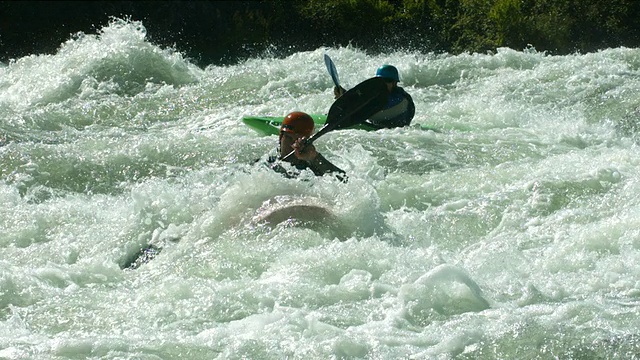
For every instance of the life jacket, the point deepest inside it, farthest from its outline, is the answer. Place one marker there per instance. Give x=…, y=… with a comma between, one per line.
x=398, y=111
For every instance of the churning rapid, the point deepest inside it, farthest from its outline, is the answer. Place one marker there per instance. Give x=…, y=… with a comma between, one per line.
x=511, y=232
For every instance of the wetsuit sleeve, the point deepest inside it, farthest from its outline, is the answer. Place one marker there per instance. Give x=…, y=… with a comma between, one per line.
x=321, y=166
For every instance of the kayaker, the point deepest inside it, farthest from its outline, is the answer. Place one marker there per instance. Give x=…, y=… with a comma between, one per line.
x=296, y=127
x=399, y=110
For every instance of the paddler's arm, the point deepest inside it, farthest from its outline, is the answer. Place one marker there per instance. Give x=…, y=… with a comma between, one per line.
x=338, y=91
x=320, y=166
x=317, y=163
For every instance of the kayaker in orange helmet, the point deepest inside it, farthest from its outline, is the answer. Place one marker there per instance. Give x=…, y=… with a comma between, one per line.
x=296, y=127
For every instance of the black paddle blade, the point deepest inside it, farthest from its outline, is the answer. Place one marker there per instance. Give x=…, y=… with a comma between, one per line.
x=353, y=107
x=358, y=104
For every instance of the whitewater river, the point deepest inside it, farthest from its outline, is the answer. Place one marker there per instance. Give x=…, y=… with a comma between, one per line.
x=511, y=232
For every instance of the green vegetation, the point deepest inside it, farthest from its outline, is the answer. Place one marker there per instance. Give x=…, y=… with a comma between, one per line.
x=226, y=31
x=455, y=26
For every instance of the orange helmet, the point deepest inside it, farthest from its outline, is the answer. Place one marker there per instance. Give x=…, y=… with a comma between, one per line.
x=298, y=122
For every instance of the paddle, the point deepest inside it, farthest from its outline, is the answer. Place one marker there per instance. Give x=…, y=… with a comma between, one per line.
x=352, y=108
x=331, y=68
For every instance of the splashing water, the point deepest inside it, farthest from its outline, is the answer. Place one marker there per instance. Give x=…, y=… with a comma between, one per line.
x=510, y=233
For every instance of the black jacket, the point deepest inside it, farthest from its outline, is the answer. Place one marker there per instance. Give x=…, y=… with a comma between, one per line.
x=319, y=166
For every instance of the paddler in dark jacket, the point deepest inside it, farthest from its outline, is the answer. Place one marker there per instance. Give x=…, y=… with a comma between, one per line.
x=399, y=110
x=296, y=127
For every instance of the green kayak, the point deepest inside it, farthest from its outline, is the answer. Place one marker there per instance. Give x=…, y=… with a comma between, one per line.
x=270, y=125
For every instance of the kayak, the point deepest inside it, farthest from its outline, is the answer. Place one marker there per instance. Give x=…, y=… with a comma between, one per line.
x=270, y=125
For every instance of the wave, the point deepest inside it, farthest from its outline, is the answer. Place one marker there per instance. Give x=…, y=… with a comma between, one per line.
x=118, y=60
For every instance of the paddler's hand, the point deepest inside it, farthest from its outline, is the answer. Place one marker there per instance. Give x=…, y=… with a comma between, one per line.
x=306, y=152
x=338, y=91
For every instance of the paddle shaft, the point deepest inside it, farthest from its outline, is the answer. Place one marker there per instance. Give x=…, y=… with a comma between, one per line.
x=326, y=128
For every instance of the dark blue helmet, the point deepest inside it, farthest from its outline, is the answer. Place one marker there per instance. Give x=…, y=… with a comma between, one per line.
x=388, y=72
